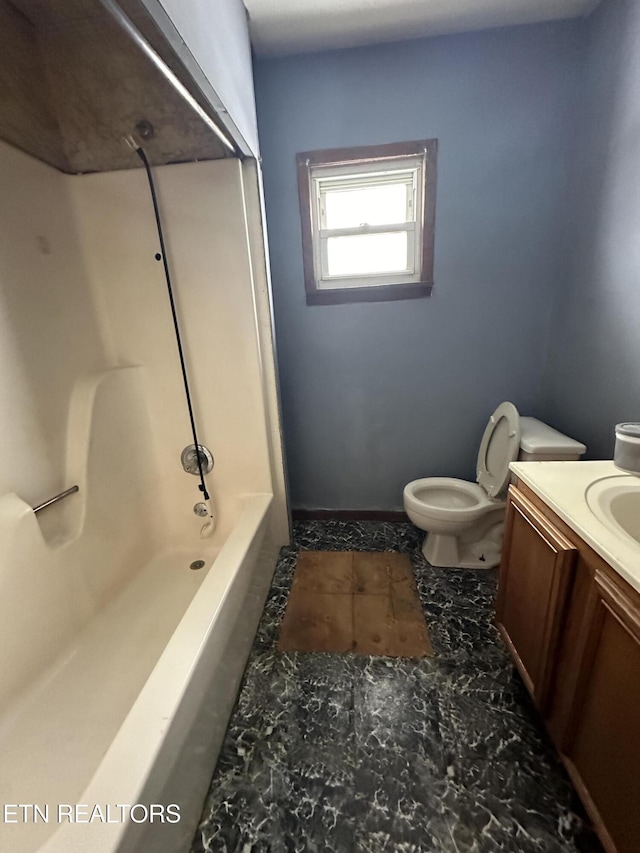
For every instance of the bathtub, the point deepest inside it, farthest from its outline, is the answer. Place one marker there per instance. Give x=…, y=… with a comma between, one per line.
x=117, y=692
x=136, y=709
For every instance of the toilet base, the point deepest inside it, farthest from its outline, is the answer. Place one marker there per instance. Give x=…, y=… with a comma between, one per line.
x=450, y=552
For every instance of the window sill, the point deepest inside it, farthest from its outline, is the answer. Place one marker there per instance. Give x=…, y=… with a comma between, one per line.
x=377, y=293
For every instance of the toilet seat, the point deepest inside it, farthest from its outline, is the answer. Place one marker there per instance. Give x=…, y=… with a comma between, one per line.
x=498, y=449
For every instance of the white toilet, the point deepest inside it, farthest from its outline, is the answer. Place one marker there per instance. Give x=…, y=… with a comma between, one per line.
x=464, y=521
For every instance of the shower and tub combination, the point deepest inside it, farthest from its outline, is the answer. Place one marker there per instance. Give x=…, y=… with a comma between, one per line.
x=122, y=656
x=128, y=605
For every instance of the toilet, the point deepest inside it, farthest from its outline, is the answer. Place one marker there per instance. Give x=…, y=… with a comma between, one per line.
x=465, y=521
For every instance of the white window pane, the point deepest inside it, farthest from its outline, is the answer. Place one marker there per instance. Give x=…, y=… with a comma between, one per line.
x=367, y=254
x=381, y=205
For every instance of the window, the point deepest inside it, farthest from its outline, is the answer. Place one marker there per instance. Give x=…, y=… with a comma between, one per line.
x=368, y=222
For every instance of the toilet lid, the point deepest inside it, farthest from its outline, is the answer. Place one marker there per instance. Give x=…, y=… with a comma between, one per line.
x=499, y=447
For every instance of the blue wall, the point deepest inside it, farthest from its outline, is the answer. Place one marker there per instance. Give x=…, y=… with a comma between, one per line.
x=375, y=395
x=594, y=374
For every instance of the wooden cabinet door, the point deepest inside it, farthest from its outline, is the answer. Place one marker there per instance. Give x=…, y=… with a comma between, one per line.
x=535, y=577
x=601, y=743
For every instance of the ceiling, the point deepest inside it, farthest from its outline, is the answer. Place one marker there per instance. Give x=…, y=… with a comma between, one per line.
x=73, y=84
x=296, y=26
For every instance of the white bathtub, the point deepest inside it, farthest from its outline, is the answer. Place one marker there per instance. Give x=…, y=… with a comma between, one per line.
x=120, y=663
x=136, y=710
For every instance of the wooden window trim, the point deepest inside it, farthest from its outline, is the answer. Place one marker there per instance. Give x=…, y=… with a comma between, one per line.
x=344, y=156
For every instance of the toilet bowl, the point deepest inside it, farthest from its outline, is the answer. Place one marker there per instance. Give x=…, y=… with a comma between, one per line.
x=464, y=521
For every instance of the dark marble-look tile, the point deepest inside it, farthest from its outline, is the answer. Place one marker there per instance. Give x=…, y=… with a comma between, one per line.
x=371, y=754
x=356, y=536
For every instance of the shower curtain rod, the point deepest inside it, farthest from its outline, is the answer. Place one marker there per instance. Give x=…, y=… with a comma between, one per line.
x=166, y=72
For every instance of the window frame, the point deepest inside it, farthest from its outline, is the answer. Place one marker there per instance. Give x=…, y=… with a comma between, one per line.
x=363, y=159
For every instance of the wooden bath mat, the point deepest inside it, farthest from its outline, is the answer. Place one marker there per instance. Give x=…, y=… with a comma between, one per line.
x=354, y=601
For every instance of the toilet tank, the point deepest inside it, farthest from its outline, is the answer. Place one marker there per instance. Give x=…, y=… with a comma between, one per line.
x=541, y=443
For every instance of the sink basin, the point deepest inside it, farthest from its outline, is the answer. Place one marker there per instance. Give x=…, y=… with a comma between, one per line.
x=616, y=502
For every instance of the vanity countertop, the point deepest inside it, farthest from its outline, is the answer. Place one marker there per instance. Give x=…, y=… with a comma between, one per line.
x=562, y=486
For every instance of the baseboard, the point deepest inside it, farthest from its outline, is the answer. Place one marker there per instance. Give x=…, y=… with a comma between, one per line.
x=349, y=515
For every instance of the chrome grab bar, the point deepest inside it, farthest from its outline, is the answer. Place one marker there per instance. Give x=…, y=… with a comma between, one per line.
x=56, y=498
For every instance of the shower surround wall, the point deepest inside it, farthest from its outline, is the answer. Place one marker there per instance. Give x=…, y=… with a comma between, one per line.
x=377, y=394
x=92, y=394
x=45, y=346
x=82, y=291
x=207, y=245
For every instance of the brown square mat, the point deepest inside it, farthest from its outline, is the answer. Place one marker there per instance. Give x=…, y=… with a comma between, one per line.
x=354, y=601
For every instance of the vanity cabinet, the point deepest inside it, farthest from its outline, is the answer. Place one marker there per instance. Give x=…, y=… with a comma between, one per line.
x=572, y=626
x=601, y=739
x=532, y=596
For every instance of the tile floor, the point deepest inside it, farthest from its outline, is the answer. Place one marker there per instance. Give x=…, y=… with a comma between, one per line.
x=328, y=752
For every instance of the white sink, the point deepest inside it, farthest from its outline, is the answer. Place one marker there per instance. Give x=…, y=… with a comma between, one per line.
x=598, y=502
x=615, y=501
